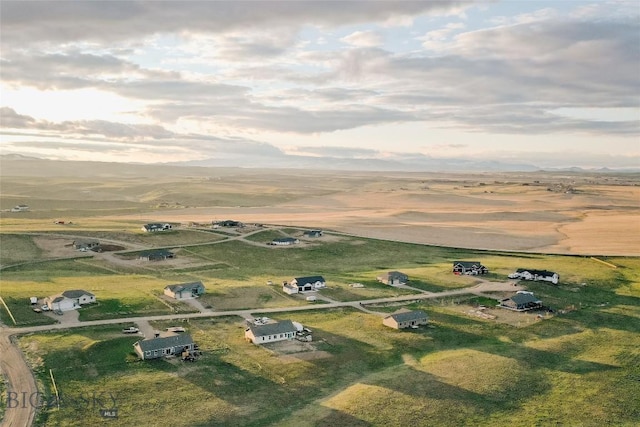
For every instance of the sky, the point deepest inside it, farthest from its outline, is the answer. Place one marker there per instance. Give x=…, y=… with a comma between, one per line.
x=253, y=83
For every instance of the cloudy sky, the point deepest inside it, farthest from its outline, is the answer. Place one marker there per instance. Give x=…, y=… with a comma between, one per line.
x=540, y=82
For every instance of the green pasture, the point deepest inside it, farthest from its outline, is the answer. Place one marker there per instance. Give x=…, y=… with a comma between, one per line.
x=458, y=371
x=15, y=248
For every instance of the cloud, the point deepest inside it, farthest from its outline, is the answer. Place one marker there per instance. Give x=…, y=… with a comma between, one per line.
x=363, y=39
x=105, y=22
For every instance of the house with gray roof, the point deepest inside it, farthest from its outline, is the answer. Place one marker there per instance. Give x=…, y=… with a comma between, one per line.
x=284, y=241
x=154, y=348
x=406, y=319
x=69, y=300
x=183, y=291
x=521, y=301
x=309, y=283
x=536, y=275
x=156, y=255
x=393, y=278
x=271, y=332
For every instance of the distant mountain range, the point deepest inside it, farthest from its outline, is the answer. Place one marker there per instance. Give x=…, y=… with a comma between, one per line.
x=12, y=164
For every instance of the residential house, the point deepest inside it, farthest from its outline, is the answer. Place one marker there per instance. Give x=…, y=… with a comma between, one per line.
x=406, y=319
x=312, y=233
x=85, y=245
x=183, y=291
x=69, y=300
x=521, y=301
x=154, y=348
x=20, y=208
x=393, y=278
x=536, y=275
x=227, y=223
x=271, y=332
x=284, y=241
x=469, y=267
x=156, y=255
x=156, y=226
x=310, y=283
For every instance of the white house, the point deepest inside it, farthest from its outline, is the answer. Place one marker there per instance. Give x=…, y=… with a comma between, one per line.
x=20, y=208
x=536, y=275
x=310, y=283
x=69, y=300
x=271, y=332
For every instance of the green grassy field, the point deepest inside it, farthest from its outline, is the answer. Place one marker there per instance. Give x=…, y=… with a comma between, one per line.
x=579, y=367
x=460, y=371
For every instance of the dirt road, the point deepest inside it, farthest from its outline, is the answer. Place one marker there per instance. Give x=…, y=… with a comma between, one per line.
x=21, y=401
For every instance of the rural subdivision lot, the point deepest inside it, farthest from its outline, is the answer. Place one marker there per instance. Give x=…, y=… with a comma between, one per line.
x=473, y=364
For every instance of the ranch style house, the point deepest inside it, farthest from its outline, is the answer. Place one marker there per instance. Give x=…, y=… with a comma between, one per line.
x=393, y=278
x=154, y=348
x=406, y=319
x=271, y=332
x=157, y=255
x=184, y=291
x=156, y=226
x=521, y=301
x=306, y=284
x=536, y=275
x=69, y=300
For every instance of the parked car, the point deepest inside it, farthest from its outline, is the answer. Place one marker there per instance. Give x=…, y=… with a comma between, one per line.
x=45, y=307
x=130, y=330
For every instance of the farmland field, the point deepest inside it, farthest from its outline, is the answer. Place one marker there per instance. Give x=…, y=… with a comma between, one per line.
x=578, y=364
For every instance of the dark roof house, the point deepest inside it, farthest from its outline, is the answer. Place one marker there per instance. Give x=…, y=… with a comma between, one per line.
x=521, y=301
x=156, y=226
x=469, y=267
x=309, y=283
x=163, y=346
x=156, y=255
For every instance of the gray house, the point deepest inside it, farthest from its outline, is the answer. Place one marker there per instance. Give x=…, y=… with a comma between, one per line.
x=156, y=255
x=406, y=319
x=164, y=346
x=184, y=290
x=393, y=278
x=522, y=301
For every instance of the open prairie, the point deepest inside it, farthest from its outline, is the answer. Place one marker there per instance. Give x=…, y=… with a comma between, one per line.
x=552, y=212
x=574, y=365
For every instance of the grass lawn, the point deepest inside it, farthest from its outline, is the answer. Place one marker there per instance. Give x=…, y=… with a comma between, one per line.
x=15, y=248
